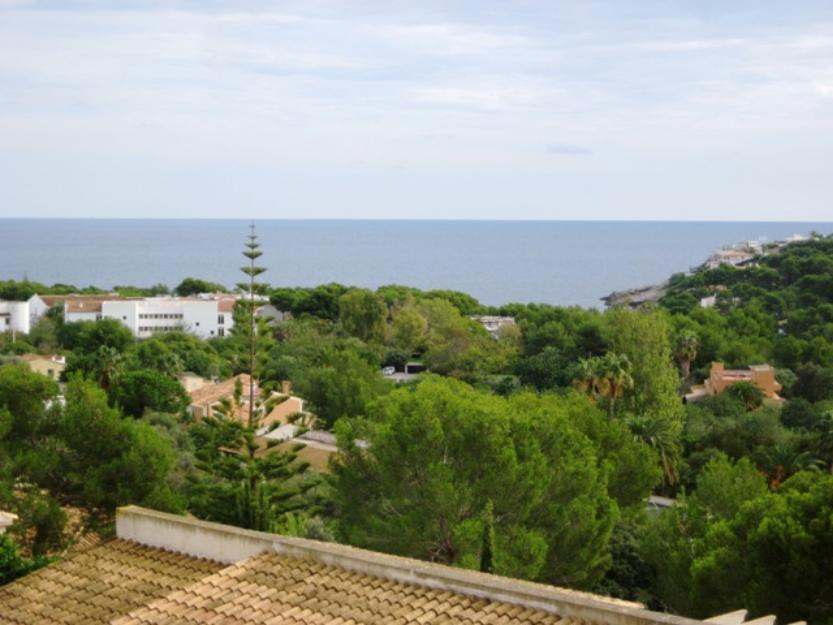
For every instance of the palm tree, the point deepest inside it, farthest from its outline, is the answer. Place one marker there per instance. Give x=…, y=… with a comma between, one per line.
x=662, y=435
x=587, y=379
x=615, y=372
x=786, y=459
x=685, y=350
x=109, y=366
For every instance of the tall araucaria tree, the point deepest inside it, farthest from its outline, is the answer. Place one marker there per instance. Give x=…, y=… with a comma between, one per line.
x=247, y=482
x=254, y=332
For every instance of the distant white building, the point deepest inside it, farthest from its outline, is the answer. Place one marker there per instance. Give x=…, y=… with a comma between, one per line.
x=751, y=245
x=729, y=257
x=493, y=323
x=14, y=317
x=206, y=317
x=21, y=316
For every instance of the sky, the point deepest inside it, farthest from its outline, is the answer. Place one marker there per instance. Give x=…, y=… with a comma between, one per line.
x=522, y=109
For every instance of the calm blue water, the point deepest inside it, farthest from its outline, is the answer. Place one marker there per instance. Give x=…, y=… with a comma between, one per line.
x=568, y=263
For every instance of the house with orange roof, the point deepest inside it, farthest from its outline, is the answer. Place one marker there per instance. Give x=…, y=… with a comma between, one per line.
x=212, y=398
x=762, y=376
x=720, y=378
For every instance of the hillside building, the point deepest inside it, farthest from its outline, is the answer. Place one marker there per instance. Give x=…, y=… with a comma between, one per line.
x=720, y=378
x=762, y=376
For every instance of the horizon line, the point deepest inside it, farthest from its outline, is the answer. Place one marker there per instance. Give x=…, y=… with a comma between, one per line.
x=423, y=219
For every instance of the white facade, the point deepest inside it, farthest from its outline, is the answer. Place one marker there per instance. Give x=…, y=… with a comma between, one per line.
x=206, y=318
x=14, y=317
x=21, y=316
x=72, y=317
x=37, y=308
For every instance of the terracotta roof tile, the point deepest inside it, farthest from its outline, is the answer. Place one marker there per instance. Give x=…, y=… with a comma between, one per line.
x=210, y=394
x=291, y=581
x=98, y=584
x=274, y=588
x=226, y=304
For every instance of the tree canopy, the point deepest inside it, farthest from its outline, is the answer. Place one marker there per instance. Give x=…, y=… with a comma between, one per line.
x=436, y=455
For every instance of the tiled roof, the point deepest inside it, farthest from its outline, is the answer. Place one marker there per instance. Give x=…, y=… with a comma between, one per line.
x=205, y=398
x=79, y=303
x=212, y=393
x=270, y=588
x=226, y=304
x=54, y=300
x=99, y=584
x=268, y=579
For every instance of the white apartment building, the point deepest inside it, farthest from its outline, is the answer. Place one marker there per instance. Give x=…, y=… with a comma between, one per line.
x=206, y=317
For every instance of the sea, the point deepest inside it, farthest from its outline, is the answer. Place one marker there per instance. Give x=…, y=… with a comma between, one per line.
x=569, y=263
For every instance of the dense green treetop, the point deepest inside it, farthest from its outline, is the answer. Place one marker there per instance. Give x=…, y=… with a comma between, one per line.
x=195, y=286
x=147, y=389
x=439, y=452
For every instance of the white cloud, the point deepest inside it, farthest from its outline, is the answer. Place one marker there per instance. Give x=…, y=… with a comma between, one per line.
x=446, y=39
x=326, y=87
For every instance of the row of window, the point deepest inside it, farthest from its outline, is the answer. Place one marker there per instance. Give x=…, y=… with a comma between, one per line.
x=220, y=331
x=160, y=315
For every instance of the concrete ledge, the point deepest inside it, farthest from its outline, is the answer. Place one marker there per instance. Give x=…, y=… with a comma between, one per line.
x=229, y=545
x=200, y=539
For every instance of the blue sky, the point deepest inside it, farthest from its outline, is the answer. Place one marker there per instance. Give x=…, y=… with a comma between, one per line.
x=551, y=109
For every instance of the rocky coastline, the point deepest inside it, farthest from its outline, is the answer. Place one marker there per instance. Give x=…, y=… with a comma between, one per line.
x=636, y=297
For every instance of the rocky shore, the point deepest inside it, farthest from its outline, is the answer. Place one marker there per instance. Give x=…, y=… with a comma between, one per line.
x=738, y=255
x=636, y=297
